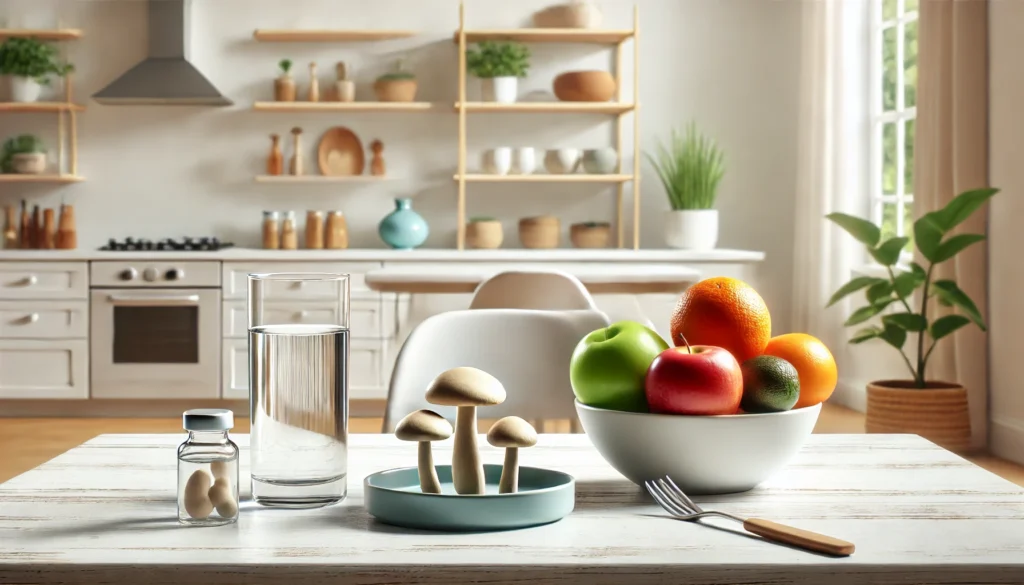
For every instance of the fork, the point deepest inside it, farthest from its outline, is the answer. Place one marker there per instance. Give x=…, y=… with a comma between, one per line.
x=681, y=507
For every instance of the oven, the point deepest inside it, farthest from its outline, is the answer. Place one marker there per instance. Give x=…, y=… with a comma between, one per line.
x=155, y=330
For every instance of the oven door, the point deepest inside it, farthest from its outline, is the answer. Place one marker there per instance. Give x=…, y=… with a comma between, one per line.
x=161, y=344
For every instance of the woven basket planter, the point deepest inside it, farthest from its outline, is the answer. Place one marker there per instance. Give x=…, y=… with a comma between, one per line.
x=938, y=412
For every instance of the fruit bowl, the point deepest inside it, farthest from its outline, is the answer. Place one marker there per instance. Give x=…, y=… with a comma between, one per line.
x=702, y=454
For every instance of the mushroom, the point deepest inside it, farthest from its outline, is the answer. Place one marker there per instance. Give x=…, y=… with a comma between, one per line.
x=425, y=426
x=466, y=388
x=511, y=433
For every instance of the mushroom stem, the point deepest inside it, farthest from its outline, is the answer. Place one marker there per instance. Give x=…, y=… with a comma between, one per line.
x=429, y=484
x=509, y=483
x=467, y=472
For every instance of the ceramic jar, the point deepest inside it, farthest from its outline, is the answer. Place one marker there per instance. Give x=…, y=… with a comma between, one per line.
x=524, y=161
x=562, y=161
x=497, y=161
x=600, y=161
x=539, y=232
x=503, y=90
x=585, y=86
x=590, y=234
x=403, y=228
x=29, y=163
x=484, y=234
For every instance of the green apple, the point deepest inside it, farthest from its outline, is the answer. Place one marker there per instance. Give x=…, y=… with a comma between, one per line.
x=608, y=367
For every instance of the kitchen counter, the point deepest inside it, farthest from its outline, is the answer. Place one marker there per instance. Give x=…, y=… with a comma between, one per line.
x=722, y=256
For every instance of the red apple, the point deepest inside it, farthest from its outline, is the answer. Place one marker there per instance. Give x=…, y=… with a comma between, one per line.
x=695, y=380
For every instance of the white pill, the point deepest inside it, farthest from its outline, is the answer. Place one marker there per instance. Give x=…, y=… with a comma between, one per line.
x=220, y=470
x=197, y=500
x=223, y=498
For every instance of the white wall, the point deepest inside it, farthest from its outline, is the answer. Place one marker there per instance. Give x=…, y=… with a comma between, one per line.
x=1006, y=280
x=732, y=65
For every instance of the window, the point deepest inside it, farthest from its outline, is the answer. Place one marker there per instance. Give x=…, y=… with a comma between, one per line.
x=893, y=110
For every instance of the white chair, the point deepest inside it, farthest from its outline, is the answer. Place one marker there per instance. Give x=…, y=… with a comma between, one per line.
x=549, y=290
x=528, y=351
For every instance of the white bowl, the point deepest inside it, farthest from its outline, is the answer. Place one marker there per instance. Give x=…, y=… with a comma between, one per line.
x=702, y=454
x=562, y=161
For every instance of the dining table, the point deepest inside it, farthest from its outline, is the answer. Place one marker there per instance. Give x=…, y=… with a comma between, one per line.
x=105, y=512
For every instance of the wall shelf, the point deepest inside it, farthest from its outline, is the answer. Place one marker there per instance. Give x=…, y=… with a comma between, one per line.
x=344, y=106
x=549, y=35
x=29, y=107
x=545, y=178
x=328, y=36
x=15, y=178
x=320, y=179
x=548, y=108
x=61, y=34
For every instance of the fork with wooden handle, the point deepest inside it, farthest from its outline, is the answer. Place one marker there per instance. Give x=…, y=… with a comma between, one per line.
x=681, y=507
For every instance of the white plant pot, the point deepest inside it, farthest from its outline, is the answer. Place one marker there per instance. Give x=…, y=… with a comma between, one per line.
x=497, y=161
x=24, y=89
x=692, y=229
x=29, y=163
x=524, y=161
x=503, y=90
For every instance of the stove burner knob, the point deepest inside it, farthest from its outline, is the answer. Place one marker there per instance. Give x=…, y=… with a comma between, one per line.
x=174, y=274
x=128, y=274
x=150, y=274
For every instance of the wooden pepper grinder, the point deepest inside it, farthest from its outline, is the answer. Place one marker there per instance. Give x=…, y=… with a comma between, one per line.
x=295, y=167
x=49, y=239
x=377, y=163
x=37, y=228
x=275, y=162
x=26, y=226
x=344, y=88
x=314, y=84
x=11, y=227
x=67, y=236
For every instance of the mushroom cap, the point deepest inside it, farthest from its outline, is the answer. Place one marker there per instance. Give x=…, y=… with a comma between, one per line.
x=465, y=387
x=423, y=425
x=512, y=431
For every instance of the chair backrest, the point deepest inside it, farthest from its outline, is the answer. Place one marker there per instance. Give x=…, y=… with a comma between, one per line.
x=528, y=351
x=550, y=290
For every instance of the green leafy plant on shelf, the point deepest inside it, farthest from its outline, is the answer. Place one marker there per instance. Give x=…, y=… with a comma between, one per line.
x=28, y=57
x=23, y=144
x=933, y=238
x=690, y=166
x=286, y=66
x=400, y=72
x=492, y=59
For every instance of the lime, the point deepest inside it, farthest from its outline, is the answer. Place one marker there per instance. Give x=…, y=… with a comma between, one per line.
x=770, y=384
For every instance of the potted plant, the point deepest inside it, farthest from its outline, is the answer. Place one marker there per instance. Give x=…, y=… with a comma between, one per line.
x=499, y=67
x=23, y=155
x=484, y=233
x=690, y=167
x=29, y=63
x=397, y=86
x=936, y=410
x=284, y=85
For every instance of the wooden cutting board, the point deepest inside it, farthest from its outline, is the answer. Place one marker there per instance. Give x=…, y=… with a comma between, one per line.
x=340, y=153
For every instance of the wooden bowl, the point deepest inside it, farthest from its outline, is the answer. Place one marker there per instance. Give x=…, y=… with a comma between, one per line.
x=574, y=15
x=541, y=232
x=585, y=86
x=590, y=235
x=395, y=90
x=484, y=235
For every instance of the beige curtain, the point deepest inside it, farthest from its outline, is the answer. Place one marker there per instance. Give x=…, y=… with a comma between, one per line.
x=951, y=156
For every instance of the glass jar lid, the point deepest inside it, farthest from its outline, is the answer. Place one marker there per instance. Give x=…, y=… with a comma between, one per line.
x=208, y=419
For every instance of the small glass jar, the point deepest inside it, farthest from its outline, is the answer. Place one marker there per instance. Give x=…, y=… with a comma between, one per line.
x=208, y=469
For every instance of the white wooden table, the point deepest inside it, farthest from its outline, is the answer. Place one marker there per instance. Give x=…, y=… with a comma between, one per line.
x=104, y=512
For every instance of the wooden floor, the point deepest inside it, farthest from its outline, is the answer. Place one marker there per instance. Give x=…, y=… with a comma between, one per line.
x=28, y=442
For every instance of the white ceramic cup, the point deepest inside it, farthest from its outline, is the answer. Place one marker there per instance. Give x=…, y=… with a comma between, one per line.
x=562, y=161
x=497, y=161
x=524, y=161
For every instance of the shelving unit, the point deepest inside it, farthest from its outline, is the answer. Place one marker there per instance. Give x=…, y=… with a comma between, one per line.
x=328, y=36
x=67, y=110
x=320, y=179
x=619, y=108
x=384, y=107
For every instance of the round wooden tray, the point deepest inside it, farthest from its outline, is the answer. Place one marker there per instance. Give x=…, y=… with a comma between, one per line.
x=340, y=153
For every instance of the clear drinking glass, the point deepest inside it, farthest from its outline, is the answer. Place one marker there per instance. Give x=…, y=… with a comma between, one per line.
x=298, y=389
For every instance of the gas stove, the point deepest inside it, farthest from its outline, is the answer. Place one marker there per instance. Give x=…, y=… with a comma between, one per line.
x=166, y=245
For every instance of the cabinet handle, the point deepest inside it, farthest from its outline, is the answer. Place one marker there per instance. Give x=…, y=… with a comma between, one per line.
x=299, y=284
x=30, y=318
x=28, y=280
x=300, y=315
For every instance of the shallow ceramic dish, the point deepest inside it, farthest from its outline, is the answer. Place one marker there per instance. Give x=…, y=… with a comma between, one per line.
x=544, y=496
x=702, y=454
x=340, y=153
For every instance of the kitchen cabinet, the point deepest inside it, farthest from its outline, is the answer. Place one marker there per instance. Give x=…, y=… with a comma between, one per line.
x=54, y=368
x=236, y=280
x=44, y=319
x=44, y=280
x=369, y=318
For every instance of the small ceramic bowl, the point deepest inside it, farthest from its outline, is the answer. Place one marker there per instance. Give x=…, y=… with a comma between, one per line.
x=29, y=163
x=562, y=161
x=600, y=161
x=702, y=454
x=497, y=161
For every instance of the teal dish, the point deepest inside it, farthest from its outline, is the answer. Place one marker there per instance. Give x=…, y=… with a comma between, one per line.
x=544, y=496
x=403, y=228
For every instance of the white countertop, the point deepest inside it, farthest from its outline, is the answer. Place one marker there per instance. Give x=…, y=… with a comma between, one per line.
x=386, y=255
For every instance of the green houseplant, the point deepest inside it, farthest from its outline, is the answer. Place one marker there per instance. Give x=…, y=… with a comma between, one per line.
x=397, y=86
x=29, y=63
x=904, y=304
x=284, y=84
x=690, y=166
x=24, y=154
x=499, y=67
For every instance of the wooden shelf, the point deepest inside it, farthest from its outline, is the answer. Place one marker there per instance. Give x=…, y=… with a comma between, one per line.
x=549, y=35
x=344, y=106
x=320, y=179
x=63, y=34
x=29, y=107
x=549, y=107
x=15, y=178
x=544, y=178
x=328, y=36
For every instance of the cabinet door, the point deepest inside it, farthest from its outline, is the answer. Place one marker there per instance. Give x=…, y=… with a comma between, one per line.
x=44, y=369
x=236, y=280
x=43, y=280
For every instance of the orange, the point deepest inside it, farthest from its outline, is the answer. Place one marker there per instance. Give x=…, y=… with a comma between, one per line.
x=724, y=312
x=813, y=362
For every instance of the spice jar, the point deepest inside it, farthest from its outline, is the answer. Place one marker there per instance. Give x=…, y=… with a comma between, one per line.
x=271, y=230
x=208, y=469
x=289, y=237
x=337, y=231
x=315, y=230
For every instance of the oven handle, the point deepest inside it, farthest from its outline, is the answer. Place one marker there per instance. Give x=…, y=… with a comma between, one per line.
x=154, y=301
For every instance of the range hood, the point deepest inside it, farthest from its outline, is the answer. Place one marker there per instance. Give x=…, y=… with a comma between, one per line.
x=165, y=77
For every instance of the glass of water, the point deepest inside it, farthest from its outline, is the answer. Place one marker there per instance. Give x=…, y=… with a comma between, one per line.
x=298, y=388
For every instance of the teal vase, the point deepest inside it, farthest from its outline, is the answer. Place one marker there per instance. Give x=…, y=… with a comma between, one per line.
x=403, y=228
